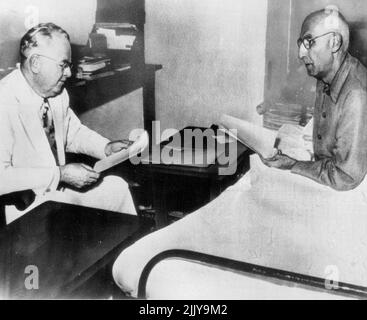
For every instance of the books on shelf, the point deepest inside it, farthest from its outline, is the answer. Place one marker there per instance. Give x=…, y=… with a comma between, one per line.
x=91, y=64
x=115, y=25
x=82, y=76
x=93, y=68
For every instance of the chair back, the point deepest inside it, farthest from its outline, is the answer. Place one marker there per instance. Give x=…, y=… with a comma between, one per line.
x=21, y=200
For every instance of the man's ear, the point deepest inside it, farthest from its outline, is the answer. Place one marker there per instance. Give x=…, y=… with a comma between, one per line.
x=34, y=64
x=336, y=42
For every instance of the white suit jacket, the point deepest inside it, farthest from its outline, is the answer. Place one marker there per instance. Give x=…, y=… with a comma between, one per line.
x=26, y=159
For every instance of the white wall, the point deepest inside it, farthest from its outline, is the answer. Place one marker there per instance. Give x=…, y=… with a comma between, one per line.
x=114, y=119
x=213, y=57
x=16, y=17
x=212, y=52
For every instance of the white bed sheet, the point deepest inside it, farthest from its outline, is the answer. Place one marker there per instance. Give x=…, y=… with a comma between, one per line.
x=271, y=218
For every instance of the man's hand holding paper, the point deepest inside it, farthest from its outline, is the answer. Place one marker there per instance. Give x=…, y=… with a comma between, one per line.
x=116, y=146
x=78, y=175
x=279, y=161
x=119, y=151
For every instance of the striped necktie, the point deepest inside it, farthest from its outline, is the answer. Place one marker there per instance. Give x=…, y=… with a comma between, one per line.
x=48, y=126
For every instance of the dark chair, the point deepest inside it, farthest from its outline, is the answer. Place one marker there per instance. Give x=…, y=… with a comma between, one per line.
x=2, y=214
x=21, y=200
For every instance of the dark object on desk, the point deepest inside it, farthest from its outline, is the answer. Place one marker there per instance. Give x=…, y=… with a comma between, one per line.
x=67, y=244
x=184, y=188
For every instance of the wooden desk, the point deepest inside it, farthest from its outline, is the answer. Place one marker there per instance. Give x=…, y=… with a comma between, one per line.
x=68, y=245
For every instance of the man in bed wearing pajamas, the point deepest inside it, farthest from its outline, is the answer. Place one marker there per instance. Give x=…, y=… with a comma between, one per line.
x=275, y=218
x=37, y=126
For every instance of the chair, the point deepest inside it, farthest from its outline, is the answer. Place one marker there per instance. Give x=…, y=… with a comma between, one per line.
x=21, y=200
x=2, y=214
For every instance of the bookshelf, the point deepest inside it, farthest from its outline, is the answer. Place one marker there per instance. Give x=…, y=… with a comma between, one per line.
x=128, y=70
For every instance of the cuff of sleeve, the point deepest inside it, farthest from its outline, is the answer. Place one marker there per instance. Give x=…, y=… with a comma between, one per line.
x=104, y=148
x=54, y=181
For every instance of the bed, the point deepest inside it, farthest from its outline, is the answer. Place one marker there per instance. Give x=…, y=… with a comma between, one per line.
x=269, y=220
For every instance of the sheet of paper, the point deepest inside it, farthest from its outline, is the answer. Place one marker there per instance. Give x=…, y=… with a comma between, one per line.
x=292, y=142
x=138, y=146
x=258, y=139
x=225, y=138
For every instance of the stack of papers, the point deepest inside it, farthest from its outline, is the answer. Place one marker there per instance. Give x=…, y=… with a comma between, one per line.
x=119, y=36
x=280, y=114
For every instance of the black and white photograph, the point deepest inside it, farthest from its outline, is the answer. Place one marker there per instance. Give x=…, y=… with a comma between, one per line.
x=183, y=150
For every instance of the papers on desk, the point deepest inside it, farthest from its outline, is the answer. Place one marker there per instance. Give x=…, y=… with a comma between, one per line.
x=137, y=147
x=119, y=36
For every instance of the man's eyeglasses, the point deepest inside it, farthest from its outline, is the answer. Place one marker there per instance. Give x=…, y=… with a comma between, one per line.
x=63, y=64
x=309, y=42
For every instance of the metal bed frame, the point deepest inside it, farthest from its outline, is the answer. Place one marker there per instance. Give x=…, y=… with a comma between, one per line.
x=265, y=273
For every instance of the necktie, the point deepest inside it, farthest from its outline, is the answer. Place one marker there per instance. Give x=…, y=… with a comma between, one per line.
x=48, y=126
x=326, y=89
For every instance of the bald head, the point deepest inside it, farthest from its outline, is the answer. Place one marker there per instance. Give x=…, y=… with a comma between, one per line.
x=328, y=20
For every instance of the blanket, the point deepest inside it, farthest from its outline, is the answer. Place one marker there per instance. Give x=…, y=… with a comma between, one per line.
x=271, y=218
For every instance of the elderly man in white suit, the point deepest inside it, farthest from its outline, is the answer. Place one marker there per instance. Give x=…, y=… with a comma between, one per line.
x=32, y=152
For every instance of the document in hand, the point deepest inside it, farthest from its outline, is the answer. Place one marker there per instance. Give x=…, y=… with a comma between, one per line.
x=258, y=139
x=137, y=147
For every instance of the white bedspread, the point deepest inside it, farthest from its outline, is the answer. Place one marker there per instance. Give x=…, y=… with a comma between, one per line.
x=271, y=218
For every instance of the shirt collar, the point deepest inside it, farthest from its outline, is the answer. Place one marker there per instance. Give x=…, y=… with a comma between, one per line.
x=340, y=78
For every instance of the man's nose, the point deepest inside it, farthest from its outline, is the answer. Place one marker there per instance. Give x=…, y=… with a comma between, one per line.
x=302, y=51
x=67, y=72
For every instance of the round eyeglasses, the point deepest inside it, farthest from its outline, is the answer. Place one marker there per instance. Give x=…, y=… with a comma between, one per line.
x=308, y=42
x=63, y=64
